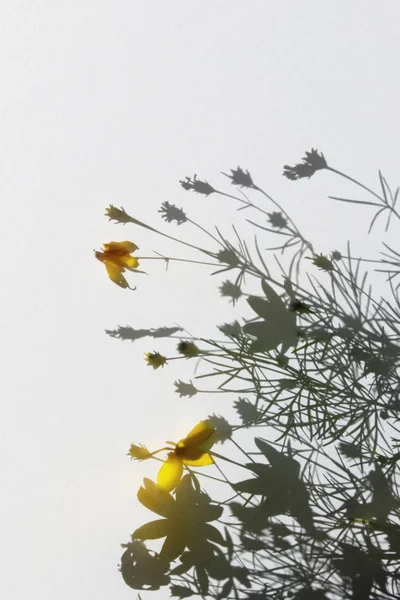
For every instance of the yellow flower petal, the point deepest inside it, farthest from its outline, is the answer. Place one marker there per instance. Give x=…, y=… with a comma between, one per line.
x=200, y=433
x=170, y=473
x=204, y=460
x=120, y=247
x=115, y=274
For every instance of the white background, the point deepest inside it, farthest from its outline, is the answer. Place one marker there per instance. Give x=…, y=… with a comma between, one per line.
x=114, y=102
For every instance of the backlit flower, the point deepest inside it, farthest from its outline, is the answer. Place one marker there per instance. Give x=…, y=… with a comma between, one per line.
x=191, y=451
x=188, y=349
x=155, y=359
x=117, y=258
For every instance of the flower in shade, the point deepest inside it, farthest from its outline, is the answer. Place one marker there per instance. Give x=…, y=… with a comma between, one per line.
x=117, y=258
x=277, y=220
x=232, y=290
x=312, y=162
x=241, y=178
x=185, y=389
x=231, y=329
x=188, y=349
x=201, y=187
x=299, y=307
x=170, y=213
x=155, y=359
x=336, y=255
x=191, y=451
x=322, y=262
x=228, y=256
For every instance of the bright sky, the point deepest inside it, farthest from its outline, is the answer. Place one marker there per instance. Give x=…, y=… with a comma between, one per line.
x=114, y=102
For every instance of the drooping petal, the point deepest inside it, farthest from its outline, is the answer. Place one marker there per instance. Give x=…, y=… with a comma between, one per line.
x=170, y=473
x=129, y=262
x=202, y=461
x=115, y=274
x=120, y=247
x=200, y=433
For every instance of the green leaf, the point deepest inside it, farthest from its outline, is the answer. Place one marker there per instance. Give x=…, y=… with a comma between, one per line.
x=202, y=580
x=252, y=544
x=229, y=543
x=156, y=499
x=180, y=591
x=226, y=590
x=152, y=530
x=173, y=547
x=213, y=534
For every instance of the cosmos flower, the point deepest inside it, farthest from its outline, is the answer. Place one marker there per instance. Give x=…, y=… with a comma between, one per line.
x=190, y=451
x=155, y=359
x=117, y=258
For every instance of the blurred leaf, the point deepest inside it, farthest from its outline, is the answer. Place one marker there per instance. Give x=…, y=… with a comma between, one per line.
x=202, y=579
x=181, y=591
x=151, y=531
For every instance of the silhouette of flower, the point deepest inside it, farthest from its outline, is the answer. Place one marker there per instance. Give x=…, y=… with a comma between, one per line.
x=185, y=389
x=118, y=214
x=232, y=290
x=231, y=329
x=322, y=262
x=299, y=307
x=277, y=220
x=155, y=359
x=170, y=213
x=201, y=187
x=188, y=349
x=139, y=452
x=241, y=178
x=190, y=451
x=312, y=162
x=116, y=257
x=336, y=255
x=228, y=256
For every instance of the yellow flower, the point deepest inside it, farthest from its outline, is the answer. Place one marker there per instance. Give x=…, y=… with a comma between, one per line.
x=155, y=359
x=191, y=451
x=117, y=257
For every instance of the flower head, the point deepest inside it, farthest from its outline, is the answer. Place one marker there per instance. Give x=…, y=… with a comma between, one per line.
x=201, y=187
x=188, y=349
x=170, y=213
x=185, y=389
x=312, y=162
x=139, y=452
x=232, y=290
x=155, y=359
x=241, y=178
x=228, y=256
x=190, y=451
x=117, y=258
x=119, y=215
x=322, y=262
x=277, y=220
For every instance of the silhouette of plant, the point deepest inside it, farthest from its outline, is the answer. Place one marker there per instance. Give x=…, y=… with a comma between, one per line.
x=308, y=508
